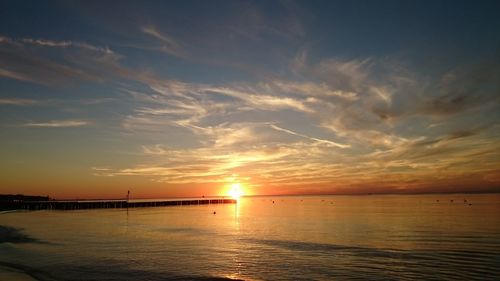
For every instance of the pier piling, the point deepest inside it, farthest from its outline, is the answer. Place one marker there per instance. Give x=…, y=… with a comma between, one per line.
x=103, y=204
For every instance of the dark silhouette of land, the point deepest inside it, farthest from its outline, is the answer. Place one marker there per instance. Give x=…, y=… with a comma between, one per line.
x=22, y=197
x=14, y=201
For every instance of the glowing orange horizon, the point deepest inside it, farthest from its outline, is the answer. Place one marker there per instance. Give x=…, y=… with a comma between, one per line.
x=236, y=190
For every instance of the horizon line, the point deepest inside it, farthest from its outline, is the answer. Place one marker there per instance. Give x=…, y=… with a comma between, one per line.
x=273, y=195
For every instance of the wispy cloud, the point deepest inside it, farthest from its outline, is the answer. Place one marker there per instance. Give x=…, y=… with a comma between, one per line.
x=169, y=46
x=463, y=89
x=18, y=76
x=58, y=124
x=321, y=141
x=19, y=102
x=211, y=164
x=320, y=89
x=233, y=127
x=64, y=44
x=364, y=108
x=29, y=60
x=261, y=100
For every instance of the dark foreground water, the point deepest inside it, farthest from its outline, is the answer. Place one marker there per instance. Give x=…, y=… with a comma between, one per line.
x=295, y=238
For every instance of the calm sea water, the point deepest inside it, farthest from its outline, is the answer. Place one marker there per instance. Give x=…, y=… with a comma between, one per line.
x=295, y=238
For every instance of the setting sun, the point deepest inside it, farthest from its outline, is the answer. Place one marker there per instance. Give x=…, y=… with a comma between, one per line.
x=236, y=190
x=250, y=140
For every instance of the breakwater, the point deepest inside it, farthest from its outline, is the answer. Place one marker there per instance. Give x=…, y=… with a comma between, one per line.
x=110, y=204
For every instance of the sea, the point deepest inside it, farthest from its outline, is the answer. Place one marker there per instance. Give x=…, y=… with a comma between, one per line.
x=369, y=237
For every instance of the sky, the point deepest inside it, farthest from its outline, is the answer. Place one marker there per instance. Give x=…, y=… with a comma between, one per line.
x=190, y=98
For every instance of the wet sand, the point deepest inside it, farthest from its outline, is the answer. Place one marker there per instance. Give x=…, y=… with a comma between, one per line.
x=7, y=273
x=12, y=273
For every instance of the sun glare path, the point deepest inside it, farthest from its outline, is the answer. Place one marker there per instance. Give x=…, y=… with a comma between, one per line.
x=236, y=190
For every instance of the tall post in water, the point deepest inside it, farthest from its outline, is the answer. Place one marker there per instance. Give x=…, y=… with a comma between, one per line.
x=128, y=198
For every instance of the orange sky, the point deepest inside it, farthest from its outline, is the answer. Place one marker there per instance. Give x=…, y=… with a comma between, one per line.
x=281, y=98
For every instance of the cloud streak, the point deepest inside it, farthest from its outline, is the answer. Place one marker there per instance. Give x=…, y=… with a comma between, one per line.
x=320, y=141
x=58, y=124
x=170, y=46
x=18, y=102
x=30, y=60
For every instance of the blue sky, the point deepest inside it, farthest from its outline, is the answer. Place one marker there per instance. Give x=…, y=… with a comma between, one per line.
x=183, y=98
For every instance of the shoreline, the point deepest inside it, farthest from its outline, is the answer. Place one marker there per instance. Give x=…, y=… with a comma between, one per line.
x=14, y=274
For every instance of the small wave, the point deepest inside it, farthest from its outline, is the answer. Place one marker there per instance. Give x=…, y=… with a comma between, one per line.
x=330, y=248
x=441, y=264
x=118, y=272
x=8, y=211
x=28, y=270
x=186, y=230
x=14, y=235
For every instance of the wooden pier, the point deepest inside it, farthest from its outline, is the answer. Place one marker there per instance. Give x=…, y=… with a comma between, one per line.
x=111, y=204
